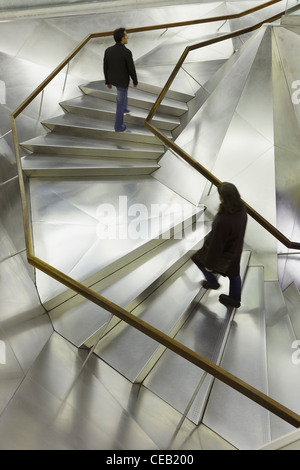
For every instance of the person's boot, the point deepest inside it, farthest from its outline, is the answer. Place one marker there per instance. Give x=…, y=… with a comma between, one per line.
x=226, y=300
x=209, y=285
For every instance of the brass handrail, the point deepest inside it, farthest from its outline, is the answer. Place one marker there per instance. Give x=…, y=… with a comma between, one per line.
x=191, y=161
x=216, y=371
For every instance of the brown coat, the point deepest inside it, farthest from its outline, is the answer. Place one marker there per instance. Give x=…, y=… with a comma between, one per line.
x=225, y=239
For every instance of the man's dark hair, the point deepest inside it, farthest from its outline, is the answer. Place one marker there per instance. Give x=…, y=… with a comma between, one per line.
x=231, y=200
x=119, y=34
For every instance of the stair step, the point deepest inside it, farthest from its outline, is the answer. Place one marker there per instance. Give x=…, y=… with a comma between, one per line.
x=284, y=372
x=106, y=110
x=131, y=352
x=63, y=165
x=138, y=98
x=238, y=419
x=81, y=322
x=205, y=332
x=86, y=126
x=68, y=145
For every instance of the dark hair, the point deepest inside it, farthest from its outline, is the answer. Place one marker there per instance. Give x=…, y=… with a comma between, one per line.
x=119, y=34
x=230, y=198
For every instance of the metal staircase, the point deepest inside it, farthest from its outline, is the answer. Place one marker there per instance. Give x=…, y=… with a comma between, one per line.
x=92, y=381
x=86, y=130
x=155, y=279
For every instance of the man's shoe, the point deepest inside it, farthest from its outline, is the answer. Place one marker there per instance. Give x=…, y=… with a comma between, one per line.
x=127, y=111
x=123, y=128
x=226, y=300
x=209, y=285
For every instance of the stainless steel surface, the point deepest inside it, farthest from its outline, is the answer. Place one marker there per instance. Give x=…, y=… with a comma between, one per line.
x=24, y=324
x=104, y=109
x=246, y=152
x=290, y=441
x=166, y=309
x=47, y=400
x=49, y=165
x=91, y=147
x=283, y=367
x=236, y=142
x=292, y=299
x=67, y=419
x=136, y=97
x=70, y=210
x=287, y=141
x=205, y=332
x=80, y=322
x=228, y=413
x=68, y=139
x=86, y=126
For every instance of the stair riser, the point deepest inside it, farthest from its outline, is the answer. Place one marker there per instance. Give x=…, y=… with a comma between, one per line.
x=116, y=325
x=75, y=172
x=178, y=265
x=161, y=349
x=115, y=153
x=136, y=373
x=103, y=135
x=164, y=108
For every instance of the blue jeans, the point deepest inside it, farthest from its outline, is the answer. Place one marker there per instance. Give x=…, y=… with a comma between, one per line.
x=235, y=288
x=235, y=284
x=121, y=106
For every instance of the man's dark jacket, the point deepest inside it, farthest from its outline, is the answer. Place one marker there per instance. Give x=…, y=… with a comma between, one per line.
x=118, y=66
x=224, y=241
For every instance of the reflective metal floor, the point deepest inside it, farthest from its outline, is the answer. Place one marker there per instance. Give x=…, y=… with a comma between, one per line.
x=50, y=398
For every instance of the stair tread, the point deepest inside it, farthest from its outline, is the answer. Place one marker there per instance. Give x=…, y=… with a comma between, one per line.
x=282, y=368
x=130, y=351
x=126, y=288
x=50, y=160
x=283, y=371
x=228, y=412
x=143, y=96
x=53, y=139
x=99, y=104
x=164, y=309
x=56, y=165
x=86, y=122
x=204, y=332
x=69, y=145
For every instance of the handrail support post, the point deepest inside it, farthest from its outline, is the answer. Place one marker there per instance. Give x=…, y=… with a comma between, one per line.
x=66, y=76
x=41, y=103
